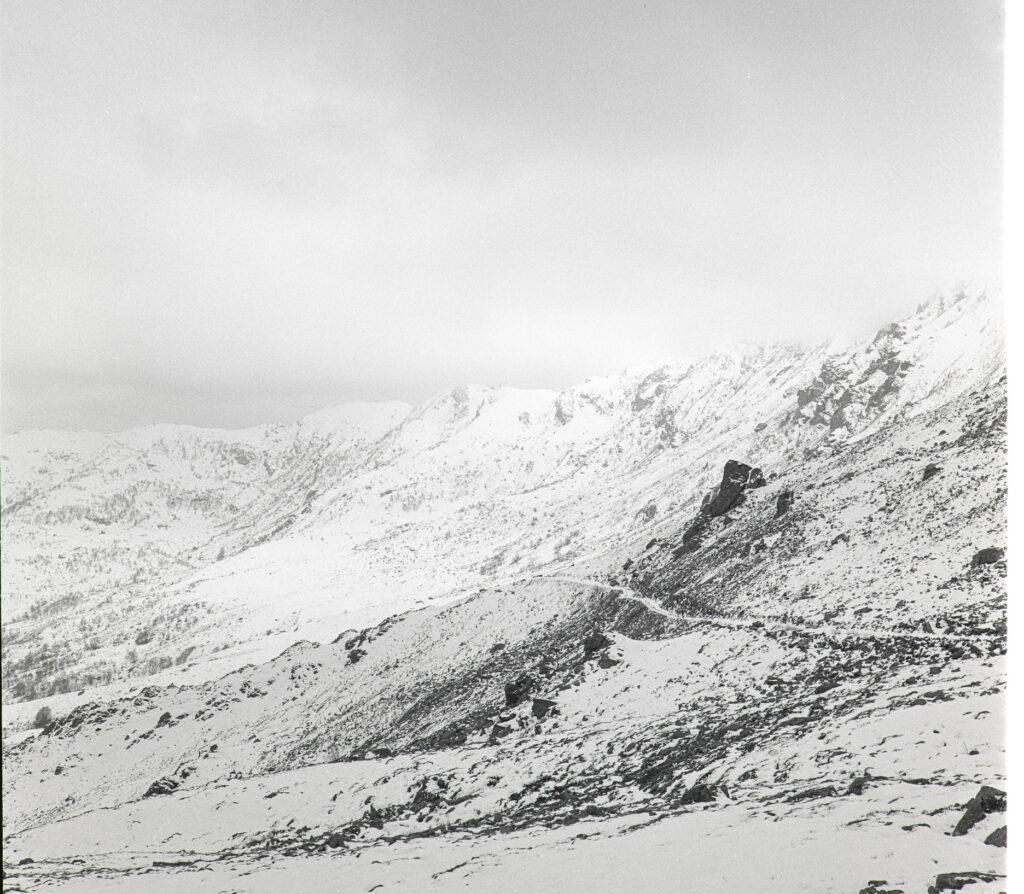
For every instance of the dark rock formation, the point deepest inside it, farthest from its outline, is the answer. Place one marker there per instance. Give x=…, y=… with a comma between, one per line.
x=518, y=690
x=988, y=556
x=988, y=800
x=498, y=733
x=997, y=838
x=164, y=786
x=702, y=792
x=784, y=502
x=541, y=707
x=823, y=791
x=955, y=881
x=930, y=470
x=737, y=478
x=165, y=719
x=595, y=642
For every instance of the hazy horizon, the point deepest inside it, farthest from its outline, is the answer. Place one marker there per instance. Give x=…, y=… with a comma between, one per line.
x=239, y=213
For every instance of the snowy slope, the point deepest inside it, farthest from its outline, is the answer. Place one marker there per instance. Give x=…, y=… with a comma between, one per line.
x=587, y=687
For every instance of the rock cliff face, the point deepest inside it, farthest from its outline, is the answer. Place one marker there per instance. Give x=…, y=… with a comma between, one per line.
x=729, y=597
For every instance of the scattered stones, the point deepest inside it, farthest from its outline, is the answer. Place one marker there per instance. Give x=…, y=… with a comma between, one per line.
x=988, y=556
x=988, y=800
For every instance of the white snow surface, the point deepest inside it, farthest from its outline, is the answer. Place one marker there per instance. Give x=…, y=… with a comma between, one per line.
x=309, y=629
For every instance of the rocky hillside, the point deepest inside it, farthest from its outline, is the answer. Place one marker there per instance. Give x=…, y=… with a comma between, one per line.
x=565, y=641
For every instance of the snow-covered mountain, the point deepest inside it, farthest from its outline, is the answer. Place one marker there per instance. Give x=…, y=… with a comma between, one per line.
x=730, y=599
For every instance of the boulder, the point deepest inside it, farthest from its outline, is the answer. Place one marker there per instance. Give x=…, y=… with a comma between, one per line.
x=702, y=792
x=517, y=690
x=542, y=707
x=163, y=786
x=930, y=470
x=498, y=733
x=997, y=838
x=595, y=642
x=784, y=502
x=988, y=556
x=988, y=800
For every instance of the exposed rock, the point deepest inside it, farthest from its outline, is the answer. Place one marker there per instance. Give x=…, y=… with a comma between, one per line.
x=997, y=838
x=822, y=791
x=498, y=733
x=737, y=478
x=702, y=792
x=165, y=719
x=595, y=642
x=955, y=881
x=606, y=661
x=988, y=556
x=518, y=690
x=784, y=502
x=541, y=707
x=930, y=470
x=163, y=786
x=988, y=800
x=857, y=786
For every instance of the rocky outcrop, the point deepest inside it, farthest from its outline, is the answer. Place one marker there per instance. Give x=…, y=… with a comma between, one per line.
x=784, y=502
x=988, y=800
x=164, y=786
x=737, y=478
x=517, y=691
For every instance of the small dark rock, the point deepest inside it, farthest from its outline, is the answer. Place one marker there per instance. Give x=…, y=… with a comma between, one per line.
x=165, y=719
x=606, y=661
x=930, y=470
x=335, y=839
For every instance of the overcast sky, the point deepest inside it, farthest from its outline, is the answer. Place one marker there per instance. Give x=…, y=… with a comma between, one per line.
x=225, y=213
